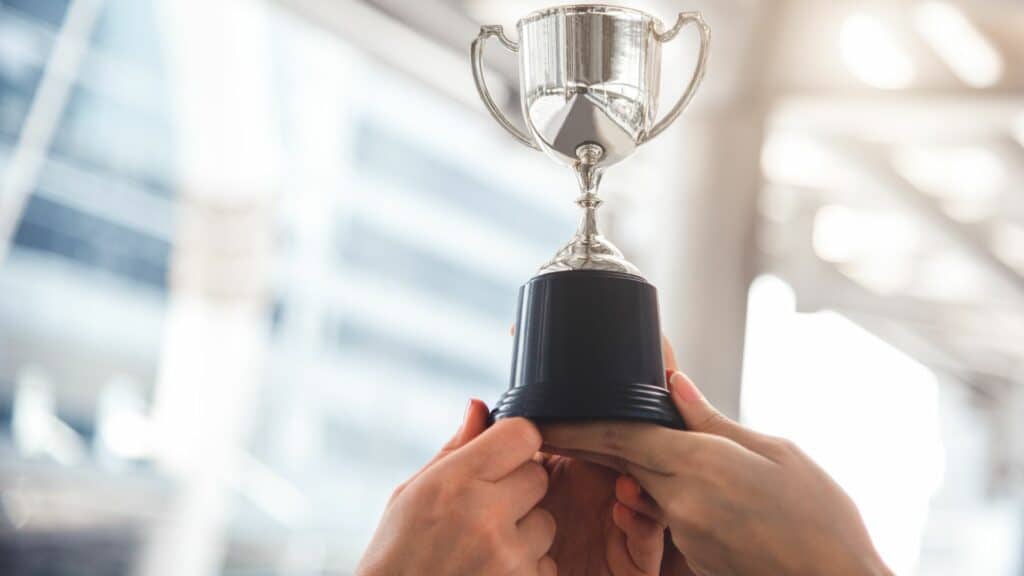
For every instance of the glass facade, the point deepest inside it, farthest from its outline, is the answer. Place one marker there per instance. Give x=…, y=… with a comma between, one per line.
x=369, y=366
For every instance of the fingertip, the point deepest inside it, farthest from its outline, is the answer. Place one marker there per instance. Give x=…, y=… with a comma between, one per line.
x=475, y=420
x=668, y=354
x=643, y=537
x=680, y=385
x=518, y=435
x=525, y=430
x=688, y=399
x=622, y=516
x=627, y=489
x=547, y=567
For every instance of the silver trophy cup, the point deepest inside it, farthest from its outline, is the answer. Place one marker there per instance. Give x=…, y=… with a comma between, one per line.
x=589, y=82
x=588, y=339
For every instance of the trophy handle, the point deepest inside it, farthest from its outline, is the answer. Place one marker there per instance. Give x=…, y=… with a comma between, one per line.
x=698, y=73
x=477, y=54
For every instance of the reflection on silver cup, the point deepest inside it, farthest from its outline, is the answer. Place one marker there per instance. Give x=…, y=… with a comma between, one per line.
x=589, y=80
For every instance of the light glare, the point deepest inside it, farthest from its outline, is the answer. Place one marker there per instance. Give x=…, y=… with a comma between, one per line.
x=959, y=43
x=823, y=360
x=966, y=179
x=1018, y=129
x=1008, y=244
x=843, y=235
x=873, y=55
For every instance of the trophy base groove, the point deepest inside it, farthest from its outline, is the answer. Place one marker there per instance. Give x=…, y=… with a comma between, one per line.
x=588, y=348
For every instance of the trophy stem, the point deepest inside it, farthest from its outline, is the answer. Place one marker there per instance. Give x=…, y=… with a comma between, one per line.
x=588, y=174
x=588, y=250
x=587, y=229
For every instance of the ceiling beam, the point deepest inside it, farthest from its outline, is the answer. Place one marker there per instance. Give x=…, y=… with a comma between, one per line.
x=900, y=117
x=973, y=238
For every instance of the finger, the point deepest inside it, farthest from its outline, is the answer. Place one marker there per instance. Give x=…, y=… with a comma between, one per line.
x=629, y=493
x=648, y=446
x=499, y=450
x=673, y=561
x=644, y=537
x=537, y=532
x=668, y=355
x=474, y=422
x=524, y=488
x=701, y=416
x=600, y=459
x=547, y=567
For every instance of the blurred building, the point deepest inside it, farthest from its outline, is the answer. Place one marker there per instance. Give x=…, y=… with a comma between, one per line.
x=256, y=255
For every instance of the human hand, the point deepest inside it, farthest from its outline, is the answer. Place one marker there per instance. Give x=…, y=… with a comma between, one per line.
x=597, y=536
x=735, y=501
x=471, y=510
x=601, y=537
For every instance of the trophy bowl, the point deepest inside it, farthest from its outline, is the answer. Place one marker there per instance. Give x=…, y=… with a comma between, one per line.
x=590, y=74
x=588, y=340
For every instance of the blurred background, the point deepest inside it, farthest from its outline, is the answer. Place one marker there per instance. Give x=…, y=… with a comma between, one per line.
x=255, y=255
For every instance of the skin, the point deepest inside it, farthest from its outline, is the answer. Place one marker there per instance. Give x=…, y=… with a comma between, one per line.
x=734, y=501
x=470, y=510
x=598, y=536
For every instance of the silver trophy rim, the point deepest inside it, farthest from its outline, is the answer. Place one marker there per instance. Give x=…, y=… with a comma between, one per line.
x=589, y=9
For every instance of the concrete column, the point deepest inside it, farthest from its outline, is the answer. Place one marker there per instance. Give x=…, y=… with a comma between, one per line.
x=701, y=256
x=684, y=208
x=214, y=344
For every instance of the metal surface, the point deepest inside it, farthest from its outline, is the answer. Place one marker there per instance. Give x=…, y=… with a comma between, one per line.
x=477, y=55
x=589, y=83
x=588, y=249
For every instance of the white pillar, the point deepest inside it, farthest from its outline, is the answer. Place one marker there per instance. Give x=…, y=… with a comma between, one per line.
x=688, y=197
x=214, y=344
x=689, y=222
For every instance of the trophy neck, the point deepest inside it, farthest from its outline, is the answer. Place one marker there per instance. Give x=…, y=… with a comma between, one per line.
x=588, y=249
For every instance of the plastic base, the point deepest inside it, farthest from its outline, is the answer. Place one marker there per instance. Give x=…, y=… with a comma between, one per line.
x=588, y=347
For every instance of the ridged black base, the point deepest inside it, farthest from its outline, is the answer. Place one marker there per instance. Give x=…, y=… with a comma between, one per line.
x=547, y=403
x=588, y=347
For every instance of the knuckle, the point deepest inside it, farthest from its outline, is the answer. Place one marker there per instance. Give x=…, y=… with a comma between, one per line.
x=538, y=476
x=527, y=432
x=788, y=446
x=685, y=512
x=782, y=448
x=398, y=491
x=547, y=524
x=489, y=532
x=445, y=489
x=506, y=557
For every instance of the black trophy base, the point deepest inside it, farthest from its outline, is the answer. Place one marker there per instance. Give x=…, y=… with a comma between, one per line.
x=587, y=348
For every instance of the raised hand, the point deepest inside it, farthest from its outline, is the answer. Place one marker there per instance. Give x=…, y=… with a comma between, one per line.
x=735, y=501
x=471, y=510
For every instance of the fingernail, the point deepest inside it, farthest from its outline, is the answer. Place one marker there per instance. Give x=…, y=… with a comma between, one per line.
x=679, y=386
x=469, y=407
x=465, y=417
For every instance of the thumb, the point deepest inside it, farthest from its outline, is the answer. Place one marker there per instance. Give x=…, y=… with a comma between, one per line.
x=701, y=416
x=474, y=422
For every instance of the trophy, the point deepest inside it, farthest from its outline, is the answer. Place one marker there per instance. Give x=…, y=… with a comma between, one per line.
x=587, y=338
